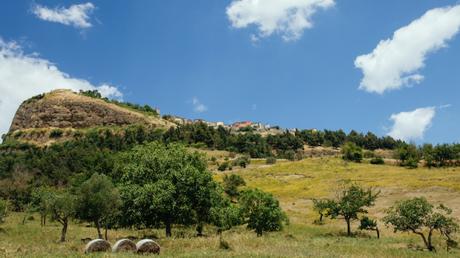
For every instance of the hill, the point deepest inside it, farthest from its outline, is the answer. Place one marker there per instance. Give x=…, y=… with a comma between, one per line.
x=68, y=111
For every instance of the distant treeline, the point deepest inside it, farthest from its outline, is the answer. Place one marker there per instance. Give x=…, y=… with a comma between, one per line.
x=281, y=145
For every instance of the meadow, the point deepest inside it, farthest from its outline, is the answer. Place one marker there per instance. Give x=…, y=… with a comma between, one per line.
x=294, y=184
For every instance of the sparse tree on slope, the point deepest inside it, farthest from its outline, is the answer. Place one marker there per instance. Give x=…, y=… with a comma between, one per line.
x=418, y=216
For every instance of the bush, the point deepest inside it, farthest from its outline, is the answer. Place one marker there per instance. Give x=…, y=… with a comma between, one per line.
x=352, y=152
x=242, y=161
x=369, y=154
x=261, y=211
x=56, y=133
x=231, y=184
x=270, y=161
x=377, y=161
x=223, y=166
x=3, y=210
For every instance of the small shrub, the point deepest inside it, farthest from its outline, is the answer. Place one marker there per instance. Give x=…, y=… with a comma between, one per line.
x=377, y=161
x=270, y=161
x=231, y=185
x=369, y=154
x=56, y=133
x=223, y=166
x=3, y=210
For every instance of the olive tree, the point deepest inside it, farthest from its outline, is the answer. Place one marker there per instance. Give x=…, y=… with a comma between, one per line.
x=351, y=202
x=420, y=217
x=97, y=200
x=261, y=211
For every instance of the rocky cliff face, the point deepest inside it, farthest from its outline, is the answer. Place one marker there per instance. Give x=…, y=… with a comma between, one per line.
x=66, y=109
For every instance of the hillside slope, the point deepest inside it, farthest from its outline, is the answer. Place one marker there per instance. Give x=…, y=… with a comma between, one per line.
x=67, y=110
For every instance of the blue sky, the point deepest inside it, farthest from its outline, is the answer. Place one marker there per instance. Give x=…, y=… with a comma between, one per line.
x=178, y=54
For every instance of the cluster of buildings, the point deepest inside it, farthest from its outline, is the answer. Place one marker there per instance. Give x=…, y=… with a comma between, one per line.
x=236, y=126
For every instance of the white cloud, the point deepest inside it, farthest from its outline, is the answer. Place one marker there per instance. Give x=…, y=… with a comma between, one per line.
x=396, y=62
x=23, y=76
x=198, y=107
x=76, y=15
x=289, y=18
x=412, y=125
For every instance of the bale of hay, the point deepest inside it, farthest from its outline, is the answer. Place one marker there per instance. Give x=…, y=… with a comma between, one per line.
x=97, y=245
x=147, y=246
x=124, y=245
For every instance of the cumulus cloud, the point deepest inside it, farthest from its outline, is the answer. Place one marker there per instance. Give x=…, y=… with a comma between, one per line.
x=396, y=62
x=23, y=76
x=76, y=15
x=412, y=125
x=289, y=18
x=198, y=107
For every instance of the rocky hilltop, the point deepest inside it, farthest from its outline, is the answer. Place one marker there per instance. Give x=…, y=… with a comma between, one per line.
x=65, y=109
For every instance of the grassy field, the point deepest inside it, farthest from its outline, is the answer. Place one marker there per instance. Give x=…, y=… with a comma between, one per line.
x=294, y=184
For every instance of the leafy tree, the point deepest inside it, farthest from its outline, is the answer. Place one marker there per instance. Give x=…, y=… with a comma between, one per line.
x=61, y=206
x=97, y=199
x=223, y=214
x=3, y=210
x=322, y=206
x=261, y=211
x=231, y=185
x=351, y=202
x=408, y=155
x=351, y=152
x=164, y=185
x=369, y=224
x=417, y=215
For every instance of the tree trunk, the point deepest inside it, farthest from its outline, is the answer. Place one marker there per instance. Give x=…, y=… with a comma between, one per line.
x=98, y=226
x=348, y=227
x=430, y=245
x=259, y=232
x=199, y=229
x=64, y=229
x=378, y=233
x=321, y=217
x=168, y=229
x=106, y=234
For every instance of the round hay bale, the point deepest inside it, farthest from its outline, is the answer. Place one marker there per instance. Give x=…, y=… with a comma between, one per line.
x=97, y=245
x=124, y=245
x=147, y=246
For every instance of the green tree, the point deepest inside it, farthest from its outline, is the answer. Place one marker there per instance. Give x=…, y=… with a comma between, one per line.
x=231, y=185
x=61, y=206
x=322, y=206
x=164, y=185
x=369, y=224
x=408, y=155
x=261, y=211
x=351, y=202
x=97, y=199
x=418, y=216
x=352, y=152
